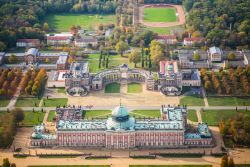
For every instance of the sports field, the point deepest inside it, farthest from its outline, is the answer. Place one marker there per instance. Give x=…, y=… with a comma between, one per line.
x=159, y=15
x=63, y=22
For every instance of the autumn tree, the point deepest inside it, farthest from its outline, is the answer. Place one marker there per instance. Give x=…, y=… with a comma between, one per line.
x=156, y=52
x=135, y=56
x=121, y=47
x=207, y=85
x=224, y=161
x=12, y=59
x=231, y=56
x=196, y=56
x=46, y=27
x=18, y=115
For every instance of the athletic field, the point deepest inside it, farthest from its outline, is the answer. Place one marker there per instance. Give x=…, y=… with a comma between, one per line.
x=159, y=14
x=63, y=22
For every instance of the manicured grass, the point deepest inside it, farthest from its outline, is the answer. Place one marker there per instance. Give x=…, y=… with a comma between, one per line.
x=170, y=165
x=159, y=15
x=51, y=115
x=192, y=101
x=32, y=118
x=146, y=113
x=213, y=117
x=28, y=102
x=134, y=88
x=69, y=166
x=192, y=116
x=112, y=88
x=4, y=102
x=95, y=113
x=228, y=101
x=63, y=22
x=61, y=90
x=53, y=102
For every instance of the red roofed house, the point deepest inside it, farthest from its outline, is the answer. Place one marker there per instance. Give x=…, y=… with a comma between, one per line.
x=28, y=42
x=167, y=39
x=58, y=39
x=192, y=41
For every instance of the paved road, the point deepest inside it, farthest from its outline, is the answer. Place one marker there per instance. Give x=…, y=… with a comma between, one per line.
x=142, y=108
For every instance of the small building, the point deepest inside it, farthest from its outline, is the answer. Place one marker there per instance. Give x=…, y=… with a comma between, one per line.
x=192, y=41
x=167, y=39
x=86, y=41
x=2, y=54
x=61, y=62
x=59, y=39
x=246, y=59
x=169, y=78
x=215, y=54
x=27, y=43
x=31, y=55
x=191, y=78
x=56, y=79
x=187, y=61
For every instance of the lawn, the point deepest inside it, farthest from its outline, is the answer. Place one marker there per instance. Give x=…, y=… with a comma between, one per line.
x=213, y=117
x=159, y=15
x=4, y=102
x=28, y=102
x=51, y=115
x=61, y=90
x=53, y=102
x=228, y=101
x=146, y=113
x=63, y=22
x=112, y=88
x=95, y=113
x=69, y=166
x=192, y=116
x=134, y=88
x=192, y=101
x=170, y=165
x=32, y=118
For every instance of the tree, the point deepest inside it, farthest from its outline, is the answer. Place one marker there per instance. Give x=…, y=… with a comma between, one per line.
x=12, y=58
x=231, y=56
x=18, y=114
x=46, y=27
x=207, y=85
x=70, y=59
x=2, y=46
x=224, y=161
x=196, y=56
x=6, y=162
x=47, y=60
x=13, y=165
x=135, y=56
x=156, y=52
x=121, y=47
x=231, y=162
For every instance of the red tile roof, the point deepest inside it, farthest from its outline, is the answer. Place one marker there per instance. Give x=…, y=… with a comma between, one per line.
x=36, y=41
x=166, y=37
x=58, y=38
x=194, y=39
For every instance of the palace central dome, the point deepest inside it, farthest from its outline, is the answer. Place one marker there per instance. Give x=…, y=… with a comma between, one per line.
x=120, y=113
x=120, y=119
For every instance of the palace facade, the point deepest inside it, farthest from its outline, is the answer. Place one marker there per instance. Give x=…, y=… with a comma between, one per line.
x=121, y=131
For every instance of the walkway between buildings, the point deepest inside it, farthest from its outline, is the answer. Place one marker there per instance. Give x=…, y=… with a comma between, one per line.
x=13, y=100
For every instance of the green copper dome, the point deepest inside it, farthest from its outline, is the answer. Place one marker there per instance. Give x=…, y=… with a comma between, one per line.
x=120, y=113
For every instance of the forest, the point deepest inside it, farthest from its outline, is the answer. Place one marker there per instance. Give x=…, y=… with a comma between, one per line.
x=24, y=19
x=224, y=23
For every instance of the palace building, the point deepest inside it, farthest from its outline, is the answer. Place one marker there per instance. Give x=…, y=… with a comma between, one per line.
x=121, y=131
